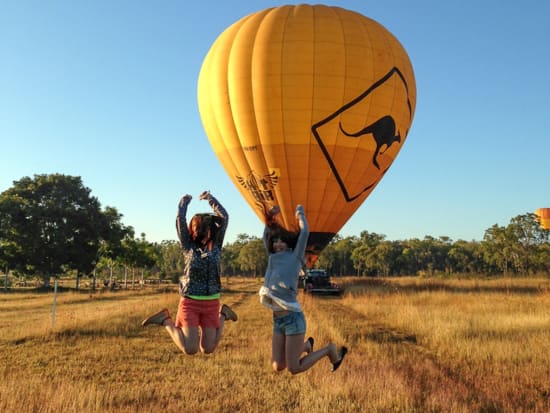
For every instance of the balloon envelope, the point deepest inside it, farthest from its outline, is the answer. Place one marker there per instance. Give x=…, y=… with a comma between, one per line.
x=307, y=105
x=544, y=217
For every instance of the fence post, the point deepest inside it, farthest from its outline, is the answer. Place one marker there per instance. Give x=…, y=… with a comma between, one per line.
x=54, y=301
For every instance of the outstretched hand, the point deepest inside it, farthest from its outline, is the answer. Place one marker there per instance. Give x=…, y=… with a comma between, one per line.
x=274, y=211
x=270, y=215
x=185, y=200
x=204, y=195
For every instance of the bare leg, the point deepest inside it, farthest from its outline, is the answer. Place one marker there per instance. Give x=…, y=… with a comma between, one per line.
x=278, y=355
x=186, y=338
x=294, y=348
x=210, y=337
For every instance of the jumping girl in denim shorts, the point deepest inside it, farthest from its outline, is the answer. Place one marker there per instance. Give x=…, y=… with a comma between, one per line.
x=279, y=293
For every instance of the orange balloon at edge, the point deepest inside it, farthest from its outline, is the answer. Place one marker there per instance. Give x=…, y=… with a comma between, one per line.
x=544, y=217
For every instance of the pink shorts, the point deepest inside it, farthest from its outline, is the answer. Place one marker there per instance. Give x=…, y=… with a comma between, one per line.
x=194, y=313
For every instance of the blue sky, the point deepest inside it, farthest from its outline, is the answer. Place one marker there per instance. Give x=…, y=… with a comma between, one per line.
x=106, y=90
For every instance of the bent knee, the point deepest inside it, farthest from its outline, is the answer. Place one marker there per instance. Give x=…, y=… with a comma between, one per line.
x=190, y=350
x=208, y=350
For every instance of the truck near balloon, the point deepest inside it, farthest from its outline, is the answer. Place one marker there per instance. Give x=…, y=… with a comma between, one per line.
x=318, y=282
x=307, y=104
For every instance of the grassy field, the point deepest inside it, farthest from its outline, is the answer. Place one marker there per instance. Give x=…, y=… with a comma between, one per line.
x=416, y=345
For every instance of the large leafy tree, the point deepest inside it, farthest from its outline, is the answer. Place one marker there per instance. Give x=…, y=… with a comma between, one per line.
x=139, y=253
x=526, y=235
x=170, y=259
x=465, y=257
x=7, y=256
x=231, y=264
x=111, y=247
x=253, y=257
x=362, y=254
x=52, y=224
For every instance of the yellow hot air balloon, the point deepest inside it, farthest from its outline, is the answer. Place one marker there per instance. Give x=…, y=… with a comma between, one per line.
x=307, y=105
x=544, y=217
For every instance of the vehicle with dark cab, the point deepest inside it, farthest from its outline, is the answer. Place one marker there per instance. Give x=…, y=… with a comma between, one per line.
x=317, y=281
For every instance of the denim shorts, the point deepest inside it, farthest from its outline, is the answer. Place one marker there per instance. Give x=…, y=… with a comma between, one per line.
x=290, y=324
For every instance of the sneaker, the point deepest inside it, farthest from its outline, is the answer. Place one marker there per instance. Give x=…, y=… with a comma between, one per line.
x=228, y=313
x=343, y=352
x=157, y=318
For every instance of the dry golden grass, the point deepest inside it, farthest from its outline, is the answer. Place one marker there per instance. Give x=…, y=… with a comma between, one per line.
x=415, y=346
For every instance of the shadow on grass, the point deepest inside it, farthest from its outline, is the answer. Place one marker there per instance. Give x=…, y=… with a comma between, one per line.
x=384, y=334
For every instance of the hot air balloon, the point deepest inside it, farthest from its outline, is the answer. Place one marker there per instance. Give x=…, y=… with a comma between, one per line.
x=307, y=105
x=544, y=217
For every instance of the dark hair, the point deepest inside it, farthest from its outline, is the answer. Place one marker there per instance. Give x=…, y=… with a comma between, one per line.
x=206, y=222
x=278, y=232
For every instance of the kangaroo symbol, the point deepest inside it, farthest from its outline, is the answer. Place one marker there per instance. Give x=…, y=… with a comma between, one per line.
x=383, y=131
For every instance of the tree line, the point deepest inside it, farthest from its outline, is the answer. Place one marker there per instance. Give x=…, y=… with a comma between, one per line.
x=522, y=247
x=51, y=226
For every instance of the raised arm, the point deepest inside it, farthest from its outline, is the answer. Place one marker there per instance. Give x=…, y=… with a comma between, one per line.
x=181, y=222
x=301, y=243
x=269, y=222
